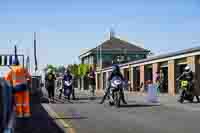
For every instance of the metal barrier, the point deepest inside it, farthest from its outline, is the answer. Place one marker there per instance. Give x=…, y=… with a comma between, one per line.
x=36, y=85
x=7, y=115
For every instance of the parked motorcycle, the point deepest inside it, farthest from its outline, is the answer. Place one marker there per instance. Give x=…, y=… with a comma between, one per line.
x=116, y=88
x=186, y=92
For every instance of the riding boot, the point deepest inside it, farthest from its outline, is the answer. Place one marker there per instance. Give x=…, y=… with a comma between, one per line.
x=198, y=100
x=123, y=97
x=182, y=96
x=104, y=97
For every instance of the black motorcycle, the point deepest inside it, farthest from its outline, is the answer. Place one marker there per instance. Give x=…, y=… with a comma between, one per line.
x=116, y=88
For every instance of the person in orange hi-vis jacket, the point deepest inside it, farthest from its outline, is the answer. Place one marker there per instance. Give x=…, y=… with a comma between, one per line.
x=19, y=78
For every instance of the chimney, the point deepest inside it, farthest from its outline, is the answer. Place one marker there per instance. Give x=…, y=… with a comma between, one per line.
x=112, y=33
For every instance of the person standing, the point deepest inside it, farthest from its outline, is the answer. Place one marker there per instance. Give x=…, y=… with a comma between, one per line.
x=50, y=84
x=92, y=83
x=67, y=86
x=157, y=81
x=19, y=78
x=162, y=83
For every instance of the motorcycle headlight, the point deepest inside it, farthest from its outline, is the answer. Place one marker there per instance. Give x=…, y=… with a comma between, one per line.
x=115, y=83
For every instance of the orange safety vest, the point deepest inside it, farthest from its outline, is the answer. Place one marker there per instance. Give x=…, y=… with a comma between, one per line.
x=18, y=75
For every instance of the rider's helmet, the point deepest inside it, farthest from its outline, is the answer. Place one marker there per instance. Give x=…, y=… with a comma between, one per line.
x=187, y=68
x=115, y=69
x=67, y=71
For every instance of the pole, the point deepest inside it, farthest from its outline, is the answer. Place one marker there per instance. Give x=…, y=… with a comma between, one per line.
x=100, y=56
x=97, y=54
x=35, y=54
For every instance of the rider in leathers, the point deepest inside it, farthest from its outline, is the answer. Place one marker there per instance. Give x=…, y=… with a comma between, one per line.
x=115, y=72
x=188, y=75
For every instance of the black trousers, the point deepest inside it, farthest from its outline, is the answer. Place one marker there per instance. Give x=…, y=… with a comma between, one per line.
x=73, y=94
x=51, y=91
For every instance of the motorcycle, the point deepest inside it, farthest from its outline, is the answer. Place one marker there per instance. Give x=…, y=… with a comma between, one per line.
x=116, y=88
x=186, y=93
x=68, y=91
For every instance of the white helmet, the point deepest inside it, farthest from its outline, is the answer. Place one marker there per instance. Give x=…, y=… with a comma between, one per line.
x=187, y=68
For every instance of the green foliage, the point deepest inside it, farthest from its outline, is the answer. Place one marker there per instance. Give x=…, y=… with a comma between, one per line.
x=50, y=67
x=78, y=70
x=83, y=69
x=74, y=69
x=60, y=69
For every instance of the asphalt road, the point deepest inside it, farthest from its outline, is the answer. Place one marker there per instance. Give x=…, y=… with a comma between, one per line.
x=87, y=116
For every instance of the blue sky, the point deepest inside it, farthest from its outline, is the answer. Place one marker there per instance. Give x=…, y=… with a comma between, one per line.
x=66, y=26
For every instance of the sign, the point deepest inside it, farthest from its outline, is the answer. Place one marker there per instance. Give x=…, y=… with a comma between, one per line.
x=7, y=60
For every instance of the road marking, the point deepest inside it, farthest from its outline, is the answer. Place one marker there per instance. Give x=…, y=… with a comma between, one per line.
x=53, y=114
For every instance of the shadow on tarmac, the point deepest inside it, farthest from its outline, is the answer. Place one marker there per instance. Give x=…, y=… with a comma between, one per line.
x=88, y=98
x=40, y=121
x=137, y=105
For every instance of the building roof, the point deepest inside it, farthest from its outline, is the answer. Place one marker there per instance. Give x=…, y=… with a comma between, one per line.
x=185, y=51
x=116, y=44
x=167, y=55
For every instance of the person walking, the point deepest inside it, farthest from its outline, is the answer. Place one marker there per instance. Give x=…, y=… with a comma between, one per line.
x=50, y=84
x=20, y=79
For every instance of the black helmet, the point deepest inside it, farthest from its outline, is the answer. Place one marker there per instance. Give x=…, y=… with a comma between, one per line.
x=67, y=71
x=115, y=68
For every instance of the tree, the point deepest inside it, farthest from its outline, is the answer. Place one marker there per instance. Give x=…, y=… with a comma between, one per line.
x=74, y=69
x=83, y=69
x=79, y=70
x=60, y=69
x=50, y=67
x=151, y=54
